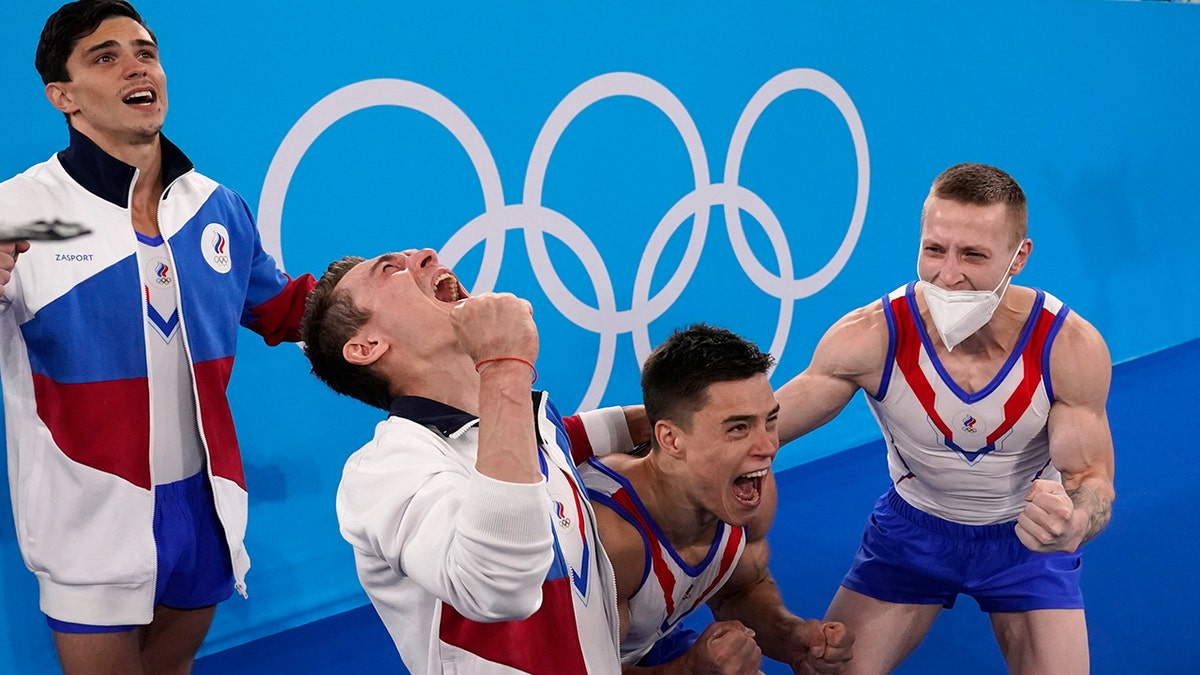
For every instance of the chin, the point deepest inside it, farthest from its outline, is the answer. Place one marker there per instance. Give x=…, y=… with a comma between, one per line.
x=740, y=514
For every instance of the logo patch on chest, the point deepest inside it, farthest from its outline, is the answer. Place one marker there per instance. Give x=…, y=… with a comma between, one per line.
x=214, y=246
x=968, y=423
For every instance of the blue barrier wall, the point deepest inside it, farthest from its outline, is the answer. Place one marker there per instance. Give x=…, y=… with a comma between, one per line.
x=631, y=169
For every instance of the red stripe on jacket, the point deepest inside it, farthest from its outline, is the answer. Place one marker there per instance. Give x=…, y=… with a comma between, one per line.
x=546, y=643
x=283, y=312
x=94, y=423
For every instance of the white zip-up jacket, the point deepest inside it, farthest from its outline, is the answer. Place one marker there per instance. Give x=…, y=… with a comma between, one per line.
x=474, y=575
x=77, y=384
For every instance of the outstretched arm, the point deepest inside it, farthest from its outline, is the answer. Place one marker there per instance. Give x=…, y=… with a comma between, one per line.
x=1063, y=517
x=849, y=357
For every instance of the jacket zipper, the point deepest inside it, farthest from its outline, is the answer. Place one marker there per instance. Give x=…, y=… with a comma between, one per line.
x=149, y=399
x=238, y=583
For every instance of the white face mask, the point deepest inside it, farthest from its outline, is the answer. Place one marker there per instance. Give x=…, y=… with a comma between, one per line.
x=958, y=314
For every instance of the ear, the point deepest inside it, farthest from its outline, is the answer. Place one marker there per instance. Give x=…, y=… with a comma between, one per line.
x=60, y=98
x=669, y=438
x=364, y=348
x=1022, y=257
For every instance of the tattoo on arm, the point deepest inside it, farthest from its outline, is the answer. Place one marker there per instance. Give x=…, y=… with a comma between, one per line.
x=1099, y=510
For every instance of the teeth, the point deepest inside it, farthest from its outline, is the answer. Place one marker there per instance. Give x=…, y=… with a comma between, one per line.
x=453, y=285
x=140, y=97
x=754, y=474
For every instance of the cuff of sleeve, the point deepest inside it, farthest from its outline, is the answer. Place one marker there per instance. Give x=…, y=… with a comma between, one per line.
x=515, y=513
x=608, y=431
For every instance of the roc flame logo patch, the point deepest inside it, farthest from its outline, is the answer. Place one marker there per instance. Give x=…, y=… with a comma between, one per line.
x=214, y=246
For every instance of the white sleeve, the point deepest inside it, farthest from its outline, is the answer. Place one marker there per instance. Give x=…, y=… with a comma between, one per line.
x=607, y=431
x=482, y=545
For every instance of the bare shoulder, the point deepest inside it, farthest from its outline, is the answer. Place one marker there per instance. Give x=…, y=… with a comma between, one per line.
x=625, y=548
x=856, y=344
x=1080, y=364
x=619, y=461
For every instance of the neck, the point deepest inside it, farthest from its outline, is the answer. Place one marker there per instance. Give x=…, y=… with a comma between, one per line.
x=451, y=380
x=1004, y=329
x=664, y=492
x=142, y=151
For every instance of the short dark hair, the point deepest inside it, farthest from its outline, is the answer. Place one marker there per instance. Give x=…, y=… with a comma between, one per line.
x=983, y=185
x=330, y=319
x=70, y=24
x=677, y=374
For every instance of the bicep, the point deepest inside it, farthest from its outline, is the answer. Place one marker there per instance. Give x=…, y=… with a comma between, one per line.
x=1080, y=443
x=809, y=400
x=1080, y=439
x=750, y=574
x=849, y=355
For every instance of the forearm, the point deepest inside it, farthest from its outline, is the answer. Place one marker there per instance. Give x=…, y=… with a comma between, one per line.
x=760, y=608
x=507, y=443
x=1093, y=506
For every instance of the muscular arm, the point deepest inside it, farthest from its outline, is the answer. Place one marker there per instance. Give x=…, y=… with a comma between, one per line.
x=497, y=330
x=721, y=648
x=752, y=597
x=849, y=357
x=1063, y=518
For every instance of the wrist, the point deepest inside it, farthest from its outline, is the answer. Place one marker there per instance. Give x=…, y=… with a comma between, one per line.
x=1079, y=525
x=506, y=363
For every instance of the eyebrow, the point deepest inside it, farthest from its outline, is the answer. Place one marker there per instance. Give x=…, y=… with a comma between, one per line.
x=749, y=418
x=383, y=260
x=109, y=44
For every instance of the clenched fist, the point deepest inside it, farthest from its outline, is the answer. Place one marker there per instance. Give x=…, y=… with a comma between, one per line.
x=496, y=325
x=823, y=648
x=724, y=648
x=1049, y=522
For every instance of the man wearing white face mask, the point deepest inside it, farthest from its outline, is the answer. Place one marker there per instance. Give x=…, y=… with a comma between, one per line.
x=991, y=400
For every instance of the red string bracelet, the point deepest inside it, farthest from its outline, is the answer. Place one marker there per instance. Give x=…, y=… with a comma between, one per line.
x=508, y=358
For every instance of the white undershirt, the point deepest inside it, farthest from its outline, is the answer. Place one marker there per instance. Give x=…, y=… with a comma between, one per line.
x=175, y=449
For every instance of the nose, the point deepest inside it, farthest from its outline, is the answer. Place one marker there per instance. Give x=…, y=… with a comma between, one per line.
x=767, y=444
x=948, y=272
x=135, y=69
x=423, y=258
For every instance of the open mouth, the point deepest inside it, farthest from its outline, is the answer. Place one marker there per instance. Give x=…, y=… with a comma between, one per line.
x=144, y=97
x=447, y=289
x=747, y=488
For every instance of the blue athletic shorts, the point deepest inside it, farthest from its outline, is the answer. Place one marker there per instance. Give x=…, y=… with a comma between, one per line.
x=193, y=558
x=910, y=557
x=669, y=647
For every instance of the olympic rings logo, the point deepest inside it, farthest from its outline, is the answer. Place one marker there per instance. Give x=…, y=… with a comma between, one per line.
x=536, y=220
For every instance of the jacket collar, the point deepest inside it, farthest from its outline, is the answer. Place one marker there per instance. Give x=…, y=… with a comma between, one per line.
x=448, y=420
x=108, y=177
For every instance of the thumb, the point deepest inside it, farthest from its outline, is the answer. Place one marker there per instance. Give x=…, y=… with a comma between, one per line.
x=817, y=649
